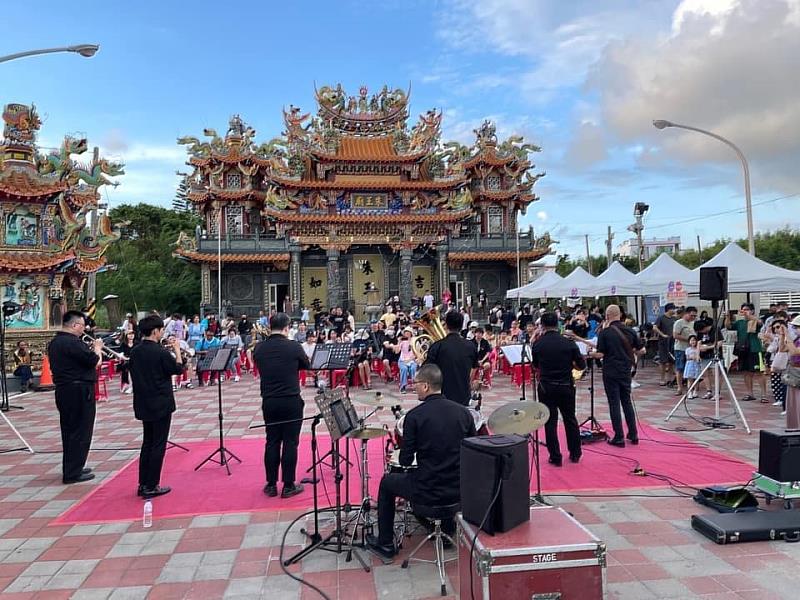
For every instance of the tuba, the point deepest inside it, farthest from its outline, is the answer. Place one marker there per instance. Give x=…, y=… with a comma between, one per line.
x=431, y=324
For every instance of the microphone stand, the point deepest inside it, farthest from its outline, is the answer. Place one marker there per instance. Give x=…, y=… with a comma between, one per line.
x=533, y=438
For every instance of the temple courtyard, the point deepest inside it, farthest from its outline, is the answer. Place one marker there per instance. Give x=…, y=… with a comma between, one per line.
x=49, y=551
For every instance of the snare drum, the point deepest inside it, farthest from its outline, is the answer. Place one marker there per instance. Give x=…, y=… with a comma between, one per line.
x=398, y=432
x=396, y=467
x=480, y=422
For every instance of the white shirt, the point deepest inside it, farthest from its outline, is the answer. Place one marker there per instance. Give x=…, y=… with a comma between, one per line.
x=427, y=300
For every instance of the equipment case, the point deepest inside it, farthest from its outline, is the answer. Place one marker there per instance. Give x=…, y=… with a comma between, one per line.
x=730, y=528
x=549, y=557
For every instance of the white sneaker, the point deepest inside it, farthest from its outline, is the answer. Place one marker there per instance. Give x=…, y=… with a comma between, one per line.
x=236, y=378
x=783, y=414
x=777, y=403
x=128, y=390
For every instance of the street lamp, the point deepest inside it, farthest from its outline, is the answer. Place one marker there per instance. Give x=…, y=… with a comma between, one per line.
x=751, y=245
x=639, y=210
x=85, y=50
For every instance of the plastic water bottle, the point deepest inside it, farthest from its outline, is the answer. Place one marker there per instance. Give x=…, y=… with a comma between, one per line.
x=147, y=515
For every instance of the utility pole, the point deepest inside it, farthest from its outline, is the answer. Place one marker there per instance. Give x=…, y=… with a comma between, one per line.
x=609, y=239
x=699, y=248
x=639, y=210
x=588, y=256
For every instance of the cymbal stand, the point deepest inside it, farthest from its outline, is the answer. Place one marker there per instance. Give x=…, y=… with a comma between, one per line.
x=363, y=518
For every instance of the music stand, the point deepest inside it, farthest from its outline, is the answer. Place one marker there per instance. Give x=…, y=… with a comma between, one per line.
x=340, y=417
x=218, y=361
x=594, y=432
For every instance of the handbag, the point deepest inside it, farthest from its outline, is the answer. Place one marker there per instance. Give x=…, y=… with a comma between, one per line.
x=627, y=344
x=791, y=376
x=780, y=360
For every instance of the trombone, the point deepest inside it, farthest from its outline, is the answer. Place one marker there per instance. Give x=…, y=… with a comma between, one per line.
x=107, y=352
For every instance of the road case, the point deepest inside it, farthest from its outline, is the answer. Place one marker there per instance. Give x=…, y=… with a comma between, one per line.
x=549, y=557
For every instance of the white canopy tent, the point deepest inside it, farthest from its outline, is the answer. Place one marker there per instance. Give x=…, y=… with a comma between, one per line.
x=746, y=273
x=576, y=284
x=616, y=280
x=539, y=288
x=663, y=272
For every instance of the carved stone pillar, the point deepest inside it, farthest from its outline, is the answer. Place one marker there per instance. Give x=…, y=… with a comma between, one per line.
x=442, y=269
x=205, y=283
x=334, y=283
x=294, y=274
x=405, y=277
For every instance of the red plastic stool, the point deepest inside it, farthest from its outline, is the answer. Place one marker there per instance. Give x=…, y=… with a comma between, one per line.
x=101, y=389
x=517, y=374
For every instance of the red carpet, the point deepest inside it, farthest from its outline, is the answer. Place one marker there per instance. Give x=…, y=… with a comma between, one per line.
x=211, y=491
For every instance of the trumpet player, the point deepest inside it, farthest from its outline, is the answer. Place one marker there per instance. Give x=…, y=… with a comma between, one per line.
x=152, y=367
x=74, y=367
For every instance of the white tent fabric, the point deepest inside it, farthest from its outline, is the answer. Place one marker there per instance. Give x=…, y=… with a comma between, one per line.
x=615, y=281
x=746, y=273
x=538, y=288
x=664, y=271
x=576, y=284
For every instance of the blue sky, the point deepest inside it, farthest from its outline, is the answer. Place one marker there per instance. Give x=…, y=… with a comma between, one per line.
x=582, y=79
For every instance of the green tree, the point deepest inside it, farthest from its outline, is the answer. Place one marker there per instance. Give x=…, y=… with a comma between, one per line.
x=147, y=276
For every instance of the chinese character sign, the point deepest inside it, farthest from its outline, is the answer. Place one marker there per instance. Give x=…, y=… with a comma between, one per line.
x=421, y=280
x=367, y=275
x=314, y=288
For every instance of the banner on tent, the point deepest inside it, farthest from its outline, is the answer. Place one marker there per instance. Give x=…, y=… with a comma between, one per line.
x=675, y=293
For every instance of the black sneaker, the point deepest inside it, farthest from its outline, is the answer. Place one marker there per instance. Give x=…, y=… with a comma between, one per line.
x=385, y=552
x=271, y=490
x=618, y=442
x=156, y=491
x=574, y=458
x=634, y=441
x=555, y=461
x=292, y=490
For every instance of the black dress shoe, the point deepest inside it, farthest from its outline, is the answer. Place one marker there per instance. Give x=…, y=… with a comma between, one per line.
x=634, y=441
x=86, y=470
x=140, y=490
x=292, y=490
x=156, y=491
x=271, y=490
x=385, y=552
x=555, y=461
x=618, y=442
x=80, y=478
x=574, y=458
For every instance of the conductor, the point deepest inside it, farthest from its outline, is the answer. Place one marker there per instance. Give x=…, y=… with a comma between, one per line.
x=279, y=361
x=74, y=372
x=556, y=356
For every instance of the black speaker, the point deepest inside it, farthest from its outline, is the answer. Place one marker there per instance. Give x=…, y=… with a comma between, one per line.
x=779, y=455
x=486, y=461
x=713, y=283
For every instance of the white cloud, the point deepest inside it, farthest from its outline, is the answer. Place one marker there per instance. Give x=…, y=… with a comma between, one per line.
x=541, y=215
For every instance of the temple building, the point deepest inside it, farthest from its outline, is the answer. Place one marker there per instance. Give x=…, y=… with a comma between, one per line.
x=48, y=246
x=353, y=200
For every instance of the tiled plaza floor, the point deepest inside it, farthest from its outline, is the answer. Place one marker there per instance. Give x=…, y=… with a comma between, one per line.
x=653, y=552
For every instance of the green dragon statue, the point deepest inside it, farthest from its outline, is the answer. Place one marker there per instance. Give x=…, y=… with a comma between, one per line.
x=59, y=161
x=95, y=174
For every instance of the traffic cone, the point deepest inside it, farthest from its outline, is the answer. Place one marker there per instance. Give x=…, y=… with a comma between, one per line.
x=46, y=378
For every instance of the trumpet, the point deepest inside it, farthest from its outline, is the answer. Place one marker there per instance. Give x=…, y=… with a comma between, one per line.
x=107, y=352
x=431, y=324
x=186, y=354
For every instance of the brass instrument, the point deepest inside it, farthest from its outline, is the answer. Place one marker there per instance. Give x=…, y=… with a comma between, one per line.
x=432, y=325
x=186, y=355
x=106, y=351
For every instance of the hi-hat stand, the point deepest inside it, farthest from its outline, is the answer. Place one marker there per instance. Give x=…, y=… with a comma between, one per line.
x=718, y=367
x=219, y=363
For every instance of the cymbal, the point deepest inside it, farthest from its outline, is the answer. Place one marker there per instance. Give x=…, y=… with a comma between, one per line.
x=518, y=417
x=375, y=400
x=367, y=433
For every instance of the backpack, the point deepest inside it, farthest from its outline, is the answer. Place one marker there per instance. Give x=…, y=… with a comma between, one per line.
x=493, y=316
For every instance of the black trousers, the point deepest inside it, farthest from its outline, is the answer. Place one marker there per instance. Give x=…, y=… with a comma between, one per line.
x=282, y=440
x=154, y=446
x=560, y=398
x=392, y=485
x=76, y=411
x=618, y=392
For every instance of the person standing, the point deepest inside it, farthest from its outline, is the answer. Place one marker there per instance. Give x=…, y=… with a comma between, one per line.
x=749, y=349
x=663, y=328
x=151, y=368
x=427, y=301
x=555, y=357
x=618, y=345
x=432, y=433
x=790, y=342
x=681, y=331
x=279, y=361
x=74, y=368
x=457, y=358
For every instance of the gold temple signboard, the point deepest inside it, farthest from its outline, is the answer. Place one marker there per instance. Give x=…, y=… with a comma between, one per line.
x=367, y=273
x=314, y=288
x=370, y=201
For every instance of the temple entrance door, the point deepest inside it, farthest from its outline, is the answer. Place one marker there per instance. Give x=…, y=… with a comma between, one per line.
x=457, y=290
x=276, y=296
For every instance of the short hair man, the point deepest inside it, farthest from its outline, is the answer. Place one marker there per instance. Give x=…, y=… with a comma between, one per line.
x=432, y=433
x=74, y=365
x=151, y=368
x=682, y=330
x=663, y=328
x=279, y=361
x=457, y=358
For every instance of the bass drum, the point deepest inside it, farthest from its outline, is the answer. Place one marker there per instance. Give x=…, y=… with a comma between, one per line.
x=480, y=422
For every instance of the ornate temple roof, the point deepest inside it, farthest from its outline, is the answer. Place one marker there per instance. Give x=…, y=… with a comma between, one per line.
x=488, y=255
x=252, y=257
x=369, y=182
x=400, y=218
x=27, y=183
x=33, y=261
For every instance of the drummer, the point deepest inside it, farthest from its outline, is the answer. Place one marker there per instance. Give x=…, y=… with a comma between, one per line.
x=556, y=357
x=432, y=431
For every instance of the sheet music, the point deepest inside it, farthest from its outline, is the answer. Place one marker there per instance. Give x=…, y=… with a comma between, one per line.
x=583, y=347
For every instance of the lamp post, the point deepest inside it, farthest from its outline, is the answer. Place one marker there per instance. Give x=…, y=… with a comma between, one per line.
x=751, y=246
x=85, y=50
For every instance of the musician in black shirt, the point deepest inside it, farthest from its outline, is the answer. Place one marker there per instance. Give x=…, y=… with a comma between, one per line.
x=618, y=346
x=152, y=368
x=555, y=356
x=279, y=361
x=456, y=358
x=74, y=365
x=432, y=432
